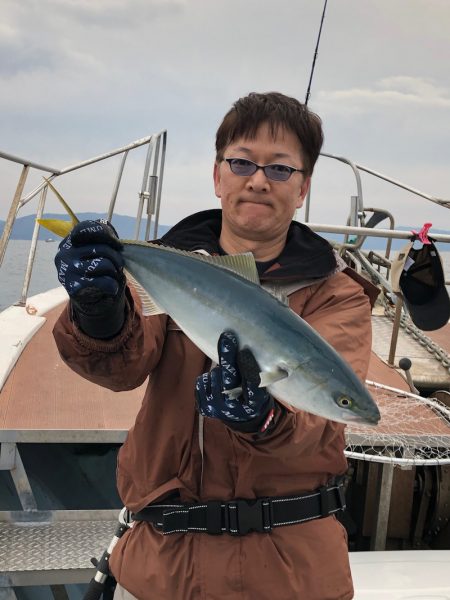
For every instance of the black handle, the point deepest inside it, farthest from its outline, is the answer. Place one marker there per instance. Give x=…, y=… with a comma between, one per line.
x=94, y=591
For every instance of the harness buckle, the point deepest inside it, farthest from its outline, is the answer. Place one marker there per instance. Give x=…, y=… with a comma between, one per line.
x=243, y=516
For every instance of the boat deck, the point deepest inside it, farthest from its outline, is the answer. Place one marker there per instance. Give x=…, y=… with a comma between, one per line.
x=56, y=551
x=427, y=372
x=56, y=404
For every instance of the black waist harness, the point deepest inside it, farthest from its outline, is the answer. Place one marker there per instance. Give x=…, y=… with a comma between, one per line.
x=238, y=517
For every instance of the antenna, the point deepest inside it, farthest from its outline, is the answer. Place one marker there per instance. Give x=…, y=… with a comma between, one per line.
x=315, y=54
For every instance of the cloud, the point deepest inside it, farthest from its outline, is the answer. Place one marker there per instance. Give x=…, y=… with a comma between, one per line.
x=79, y=77
x=391, y=92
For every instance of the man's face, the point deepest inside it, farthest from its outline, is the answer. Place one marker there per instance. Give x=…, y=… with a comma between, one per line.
x=254, y=207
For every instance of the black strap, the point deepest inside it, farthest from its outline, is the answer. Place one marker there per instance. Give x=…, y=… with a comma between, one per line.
x=238, y=517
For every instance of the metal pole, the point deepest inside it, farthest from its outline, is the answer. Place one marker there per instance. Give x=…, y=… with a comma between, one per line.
x=395, y=329
x=368, y=231
x=30, y=163
x=160, y=183
x=33, y=245
x=439, y=201
x=115, y=191
x=91, y=161
x=144, y=192
x=152, y=190
x=151, y=201
x=12, y=212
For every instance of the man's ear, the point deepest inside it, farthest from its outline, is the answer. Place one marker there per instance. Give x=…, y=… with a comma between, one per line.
x=217, y=179
x=303, y=191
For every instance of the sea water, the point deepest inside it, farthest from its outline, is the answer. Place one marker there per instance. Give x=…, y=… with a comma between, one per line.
x=12, y=271
x=44, y=273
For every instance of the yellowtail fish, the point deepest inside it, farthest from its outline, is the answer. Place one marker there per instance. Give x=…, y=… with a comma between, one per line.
x=207, y=295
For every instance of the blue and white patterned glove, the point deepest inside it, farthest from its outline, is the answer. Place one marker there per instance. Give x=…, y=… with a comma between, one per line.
x=90, y=266
x=250, y=412
x=89, y=257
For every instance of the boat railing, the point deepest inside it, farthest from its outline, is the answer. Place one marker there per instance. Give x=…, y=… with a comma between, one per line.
x=149, y=194
x=358, y=229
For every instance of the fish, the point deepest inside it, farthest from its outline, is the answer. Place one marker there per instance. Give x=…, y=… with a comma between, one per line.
x=206, y=295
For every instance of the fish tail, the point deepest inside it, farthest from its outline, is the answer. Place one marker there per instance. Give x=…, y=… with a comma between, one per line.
x=59, y=226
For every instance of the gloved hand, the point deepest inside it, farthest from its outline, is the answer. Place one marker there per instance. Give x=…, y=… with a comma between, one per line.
x=253, y=410
x=90, y=267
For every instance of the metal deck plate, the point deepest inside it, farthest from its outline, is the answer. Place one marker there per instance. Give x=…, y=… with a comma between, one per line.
x=30, y=550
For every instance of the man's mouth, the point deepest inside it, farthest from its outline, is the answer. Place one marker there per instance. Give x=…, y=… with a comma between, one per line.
x=255, y=202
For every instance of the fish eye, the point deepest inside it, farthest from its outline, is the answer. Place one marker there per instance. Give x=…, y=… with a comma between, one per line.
x=344, y=402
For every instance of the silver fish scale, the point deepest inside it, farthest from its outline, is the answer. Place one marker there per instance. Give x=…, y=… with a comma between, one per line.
x=61, y=545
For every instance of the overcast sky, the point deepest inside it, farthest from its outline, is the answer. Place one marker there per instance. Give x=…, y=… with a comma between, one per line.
x=81, y=77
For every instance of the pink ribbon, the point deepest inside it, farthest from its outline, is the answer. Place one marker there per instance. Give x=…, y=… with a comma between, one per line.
x=423, y=233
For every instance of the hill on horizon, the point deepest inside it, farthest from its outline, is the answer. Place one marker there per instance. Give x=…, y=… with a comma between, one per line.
x=124, y=224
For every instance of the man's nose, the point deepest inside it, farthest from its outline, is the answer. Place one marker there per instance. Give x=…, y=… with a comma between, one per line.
x=258, y=181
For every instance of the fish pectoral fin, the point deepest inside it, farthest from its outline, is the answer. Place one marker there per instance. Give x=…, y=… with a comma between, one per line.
x=149, y=306
x=266, y=377
x=270, y=377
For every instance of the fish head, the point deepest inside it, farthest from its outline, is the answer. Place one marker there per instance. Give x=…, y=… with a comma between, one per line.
x=327, y=394
x=352, y=403
x=335, y=394
x=339, y=393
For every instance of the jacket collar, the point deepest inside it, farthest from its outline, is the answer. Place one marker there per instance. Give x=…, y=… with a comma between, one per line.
x=305, y=256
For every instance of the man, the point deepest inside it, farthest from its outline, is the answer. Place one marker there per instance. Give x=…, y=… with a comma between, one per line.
x=194, y=451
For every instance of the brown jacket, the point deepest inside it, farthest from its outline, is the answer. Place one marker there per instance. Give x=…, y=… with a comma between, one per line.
x=161, y=455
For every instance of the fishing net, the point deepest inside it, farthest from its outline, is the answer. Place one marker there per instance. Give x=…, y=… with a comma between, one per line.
x=412, y=430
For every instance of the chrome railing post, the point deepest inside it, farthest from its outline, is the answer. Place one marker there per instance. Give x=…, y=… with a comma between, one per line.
x=143, y=194
x=13, y=212
x=115, y=191
x=160, y=183
x=33, y=245
x=152, y=182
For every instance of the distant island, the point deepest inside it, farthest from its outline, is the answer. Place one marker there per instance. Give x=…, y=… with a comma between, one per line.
x=125, y=226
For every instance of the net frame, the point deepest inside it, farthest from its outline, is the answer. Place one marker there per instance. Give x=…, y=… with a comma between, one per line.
x=413, y=430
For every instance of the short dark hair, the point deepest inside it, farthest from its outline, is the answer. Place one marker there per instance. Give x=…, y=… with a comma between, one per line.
x=277, y=110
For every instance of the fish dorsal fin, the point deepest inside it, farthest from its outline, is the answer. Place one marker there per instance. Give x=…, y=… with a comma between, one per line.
x=241, y=264
x=149, y=306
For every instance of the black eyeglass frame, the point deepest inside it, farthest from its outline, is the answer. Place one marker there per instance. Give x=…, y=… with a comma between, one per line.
x=263, y=167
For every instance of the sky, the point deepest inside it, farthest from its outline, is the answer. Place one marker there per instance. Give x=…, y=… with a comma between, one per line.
x=82, y=77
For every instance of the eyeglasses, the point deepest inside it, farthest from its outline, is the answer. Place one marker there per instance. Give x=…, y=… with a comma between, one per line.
x=276, y=172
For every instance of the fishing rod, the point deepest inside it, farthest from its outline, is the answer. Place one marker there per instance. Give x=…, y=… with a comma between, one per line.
x=315, y=54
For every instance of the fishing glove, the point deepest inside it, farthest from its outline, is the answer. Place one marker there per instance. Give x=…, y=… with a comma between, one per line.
x=90, y=267
x=253, y=410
